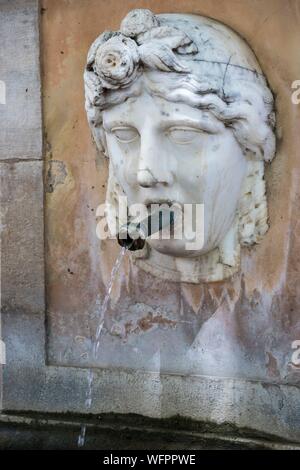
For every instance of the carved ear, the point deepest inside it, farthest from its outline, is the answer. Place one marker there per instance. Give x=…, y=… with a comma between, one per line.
x=156, y=55
x=173, y=37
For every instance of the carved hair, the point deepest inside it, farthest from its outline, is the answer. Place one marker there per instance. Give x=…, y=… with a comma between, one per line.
x=120, y=63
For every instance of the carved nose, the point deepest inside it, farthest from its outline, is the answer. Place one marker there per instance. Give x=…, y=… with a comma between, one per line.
x=146, y=179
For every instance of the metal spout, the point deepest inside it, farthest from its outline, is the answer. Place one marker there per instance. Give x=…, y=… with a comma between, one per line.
x=133, y=235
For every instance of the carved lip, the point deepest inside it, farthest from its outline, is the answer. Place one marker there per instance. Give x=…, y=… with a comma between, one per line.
x=169, y=202
x=177, y=208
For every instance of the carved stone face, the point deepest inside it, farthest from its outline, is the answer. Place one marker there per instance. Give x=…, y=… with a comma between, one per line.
x=181, y=107
x=172, y=152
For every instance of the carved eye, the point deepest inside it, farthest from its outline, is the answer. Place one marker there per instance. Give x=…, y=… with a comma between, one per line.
x=183, y=135
x=125, y=134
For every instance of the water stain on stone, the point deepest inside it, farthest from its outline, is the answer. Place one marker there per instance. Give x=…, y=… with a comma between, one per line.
x=272, y=366
x=147, y=322
x=55, y=175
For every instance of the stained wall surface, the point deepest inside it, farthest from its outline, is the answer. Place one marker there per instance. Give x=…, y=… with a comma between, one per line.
x=243, y=327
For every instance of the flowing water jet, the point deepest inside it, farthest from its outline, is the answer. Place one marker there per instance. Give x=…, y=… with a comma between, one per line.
x=96, y=341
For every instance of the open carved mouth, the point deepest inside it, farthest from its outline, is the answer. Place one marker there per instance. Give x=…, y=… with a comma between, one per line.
x=174, y=210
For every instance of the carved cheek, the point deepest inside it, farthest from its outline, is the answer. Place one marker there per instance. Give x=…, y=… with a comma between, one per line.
x=193, y=170
x=130, y=167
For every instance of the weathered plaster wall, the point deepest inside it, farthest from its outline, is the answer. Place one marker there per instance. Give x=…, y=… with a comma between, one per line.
x=248, y=322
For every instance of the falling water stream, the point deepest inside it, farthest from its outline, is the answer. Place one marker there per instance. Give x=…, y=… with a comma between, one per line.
x=96, y=341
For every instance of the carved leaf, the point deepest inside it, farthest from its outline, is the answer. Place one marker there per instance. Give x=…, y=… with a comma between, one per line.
x=170, y=36
x=159, y=56
x=188, y=49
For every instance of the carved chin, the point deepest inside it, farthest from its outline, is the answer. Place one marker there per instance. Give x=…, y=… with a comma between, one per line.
x=177, y=248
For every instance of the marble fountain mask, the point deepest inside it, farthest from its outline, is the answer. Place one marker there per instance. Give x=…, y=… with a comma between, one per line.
x=180, y=106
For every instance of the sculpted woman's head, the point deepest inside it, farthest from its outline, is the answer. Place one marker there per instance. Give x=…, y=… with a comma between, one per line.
x=180, y=106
